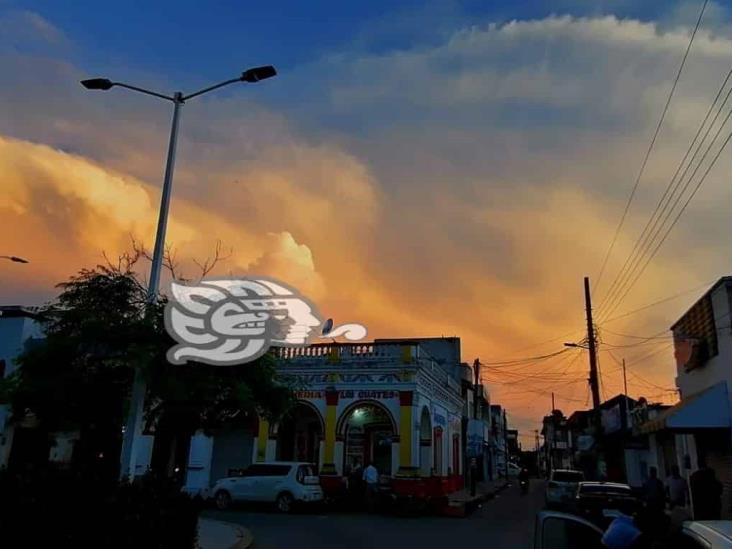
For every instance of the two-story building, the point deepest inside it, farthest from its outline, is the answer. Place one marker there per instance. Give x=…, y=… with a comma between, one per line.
x=698, y=427
x=395, y=402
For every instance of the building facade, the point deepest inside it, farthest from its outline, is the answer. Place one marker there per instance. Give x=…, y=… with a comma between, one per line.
x=394, y=403
x=699, y=427
x=18, y=328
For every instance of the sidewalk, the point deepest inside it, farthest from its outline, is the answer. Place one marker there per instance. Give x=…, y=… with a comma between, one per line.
x=461, y=503
x=216, y=534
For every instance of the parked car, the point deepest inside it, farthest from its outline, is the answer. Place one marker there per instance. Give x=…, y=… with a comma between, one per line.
x=595, y=500
x=281, y=482
x=704, y=534
x=562, y=486
x=555, y=530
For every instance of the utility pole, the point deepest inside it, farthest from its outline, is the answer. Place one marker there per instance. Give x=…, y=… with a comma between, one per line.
x=625, y=381
x=505, y=444
x=553, y=407
x=476, y=385
x=594, y=384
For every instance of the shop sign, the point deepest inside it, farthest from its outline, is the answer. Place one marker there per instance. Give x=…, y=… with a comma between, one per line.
x=303, y=395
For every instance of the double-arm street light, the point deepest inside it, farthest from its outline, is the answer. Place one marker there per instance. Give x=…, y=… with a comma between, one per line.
x=14, y=258
x=137, y=401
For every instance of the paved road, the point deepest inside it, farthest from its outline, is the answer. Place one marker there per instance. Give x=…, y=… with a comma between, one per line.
x=505, y=521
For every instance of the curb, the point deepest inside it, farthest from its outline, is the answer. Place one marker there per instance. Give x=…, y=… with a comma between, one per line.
x=219, y=534
x=462, y=510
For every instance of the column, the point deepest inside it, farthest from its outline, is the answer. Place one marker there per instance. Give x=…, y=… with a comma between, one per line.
x=331, y=403
x=262, y=439
x=406, y=435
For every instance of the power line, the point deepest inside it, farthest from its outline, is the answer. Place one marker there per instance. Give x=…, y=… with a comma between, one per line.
x=642, y=238
x=648, y=237
x=650, y=148
x=676, y=219
x=659, y=302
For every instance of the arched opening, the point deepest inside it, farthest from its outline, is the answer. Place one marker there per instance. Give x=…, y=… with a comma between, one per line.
x=367, y=429
x=299, y=434
x=425, y=443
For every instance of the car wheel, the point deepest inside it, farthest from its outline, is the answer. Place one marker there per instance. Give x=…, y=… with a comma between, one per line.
x=284, y=503
x=223, y=499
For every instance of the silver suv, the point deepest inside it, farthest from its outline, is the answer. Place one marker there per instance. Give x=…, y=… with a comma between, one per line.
x=562, y=486
x=281, y=482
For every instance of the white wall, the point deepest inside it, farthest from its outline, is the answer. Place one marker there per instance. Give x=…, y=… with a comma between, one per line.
x=717, y=368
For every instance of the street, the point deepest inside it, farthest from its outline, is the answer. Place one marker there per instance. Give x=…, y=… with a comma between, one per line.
x=505, y=521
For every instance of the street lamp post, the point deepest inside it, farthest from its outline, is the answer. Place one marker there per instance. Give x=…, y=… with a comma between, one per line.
x=137, y=401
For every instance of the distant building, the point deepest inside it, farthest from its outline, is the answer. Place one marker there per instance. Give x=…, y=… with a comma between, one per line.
x=557, y=442
x=19, y=327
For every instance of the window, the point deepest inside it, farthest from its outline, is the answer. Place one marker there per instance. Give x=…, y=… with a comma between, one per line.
x=265, y=470
x=567, y=476
x=562, y=532
x=604, y=489
x=304, y=471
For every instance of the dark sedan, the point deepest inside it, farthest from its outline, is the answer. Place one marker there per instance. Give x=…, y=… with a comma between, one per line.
x=598, y=501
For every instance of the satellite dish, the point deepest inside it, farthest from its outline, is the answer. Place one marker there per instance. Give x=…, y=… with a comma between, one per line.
x=327, y=327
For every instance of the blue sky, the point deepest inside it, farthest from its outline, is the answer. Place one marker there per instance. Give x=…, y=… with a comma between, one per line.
x=212, y=38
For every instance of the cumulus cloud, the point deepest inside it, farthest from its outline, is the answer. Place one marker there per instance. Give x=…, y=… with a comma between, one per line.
x=462, y=187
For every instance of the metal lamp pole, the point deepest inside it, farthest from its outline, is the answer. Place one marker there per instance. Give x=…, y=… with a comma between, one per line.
x=133, y=427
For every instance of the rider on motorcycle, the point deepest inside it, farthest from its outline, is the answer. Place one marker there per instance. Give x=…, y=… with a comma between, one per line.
x=523, y=479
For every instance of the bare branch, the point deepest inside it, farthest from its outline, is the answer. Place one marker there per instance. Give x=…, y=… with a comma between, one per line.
x=208, y=265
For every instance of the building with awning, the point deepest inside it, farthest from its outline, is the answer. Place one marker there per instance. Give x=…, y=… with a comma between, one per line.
x=699, y=427
x=707, y=409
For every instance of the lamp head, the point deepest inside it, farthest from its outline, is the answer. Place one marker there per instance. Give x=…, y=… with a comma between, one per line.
x=258, y=73
x=97, y=84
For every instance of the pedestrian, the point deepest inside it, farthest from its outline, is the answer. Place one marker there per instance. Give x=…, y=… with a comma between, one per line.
x=654, y=497
x=676, y=489
x=371, y=478
x=706, y=492
x=653, y=491
x=355, y=483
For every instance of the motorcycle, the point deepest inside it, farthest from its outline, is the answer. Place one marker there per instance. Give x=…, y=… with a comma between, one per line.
x=524, y=485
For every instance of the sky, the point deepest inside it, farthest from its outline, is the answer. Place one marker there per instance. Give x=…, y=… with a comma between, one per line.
x=424, y=168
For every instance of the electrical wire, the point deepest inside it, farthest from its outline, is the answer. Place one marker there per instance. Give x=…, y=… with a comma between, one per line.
x=625, y=280
x=641, y=245
x=650, y=147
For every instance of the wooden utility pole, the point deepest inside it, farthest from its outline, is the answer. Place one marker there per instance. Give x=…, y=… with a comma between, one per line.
x=553, y=407
x=625, y=381
x=594, y=383
x=476, y=385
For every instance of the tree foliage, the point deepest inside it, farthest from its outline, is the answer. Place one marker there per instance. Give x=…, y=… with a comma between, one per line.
x=98, y=331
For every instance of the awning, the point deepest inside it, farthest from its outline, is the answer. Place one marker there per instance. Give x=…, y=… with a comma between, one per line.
x=707, y=409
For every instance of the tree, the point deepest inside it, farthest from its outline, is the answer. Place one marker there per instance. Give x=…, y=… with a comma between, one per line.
x=98, y=331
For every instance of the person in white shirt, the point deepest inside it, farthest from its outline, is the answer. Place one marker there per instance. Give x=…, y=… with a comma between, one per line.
x=371, y=477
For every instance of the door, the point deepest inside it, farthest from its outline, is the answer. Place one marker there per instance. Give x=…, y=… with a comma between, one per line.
x=269, y=483
x=560, y=531
x=245, y=487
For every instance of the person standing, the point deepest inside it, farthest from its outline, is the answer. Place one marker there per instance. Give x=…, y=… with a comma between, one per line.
x=653, y=492
x=371, y=478
x=676, y=489
x=706, y=493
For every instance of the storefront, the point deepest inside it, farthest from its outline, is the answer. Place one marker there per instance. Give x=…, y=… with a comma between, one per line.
x=394, y=403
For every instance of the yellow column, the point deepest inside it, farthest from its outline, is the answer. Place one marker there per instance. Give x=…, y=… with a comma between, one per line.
x=262, y=438
x=331, y=403
x=405, y=435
